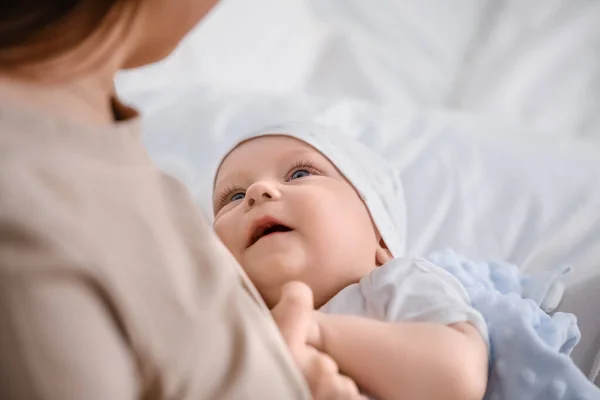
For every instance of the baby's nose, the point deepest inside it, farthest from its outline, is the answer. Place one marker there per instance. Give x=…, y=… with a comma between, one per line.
x=261, y=192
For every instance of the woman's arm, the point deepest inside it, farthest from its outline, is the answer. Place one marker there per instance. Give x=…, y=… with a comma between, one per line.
x=407, y=360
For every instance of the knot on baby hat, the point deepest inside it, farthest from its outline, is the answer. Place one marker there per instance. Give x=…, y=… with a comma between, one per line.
x=376, y=181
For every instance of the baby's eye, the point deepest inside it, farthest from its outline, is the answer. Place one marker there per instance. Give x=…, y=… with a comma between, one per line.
x=237, y=196
x=301, y=173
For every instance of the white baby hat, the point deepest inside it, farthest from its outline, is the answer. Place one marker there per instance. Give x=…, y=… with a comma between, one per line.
x=377, y=182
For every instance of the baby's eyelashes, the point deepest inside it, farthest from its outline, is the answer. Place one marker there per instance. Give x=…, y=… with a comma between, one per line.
x=230, y=195
x=302, y=169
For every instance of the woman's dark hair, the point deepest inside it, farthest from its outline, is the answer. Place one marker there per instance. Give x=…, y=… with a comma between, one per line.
x=32, y=31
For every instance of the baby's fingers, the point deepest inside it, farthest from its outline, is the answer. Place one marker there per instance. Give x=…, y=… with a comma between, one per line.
x=346, y=389
x=327, y=383
x=294, y=314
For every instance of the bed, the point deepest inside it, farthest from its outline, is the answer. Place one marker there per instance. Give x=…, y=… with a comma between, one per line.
x=490, y=109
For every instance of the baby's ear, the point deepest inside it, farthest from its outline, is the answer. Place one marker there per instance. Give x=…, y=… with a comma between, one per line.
x=382, y=254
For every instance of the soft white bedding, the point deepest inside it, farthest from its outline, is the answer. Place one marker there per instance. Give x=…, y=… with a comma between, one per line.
x=535, y=61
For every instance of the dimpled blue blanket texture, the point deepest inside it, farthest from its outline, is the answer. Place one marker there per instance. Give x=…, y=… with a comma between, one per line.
x=529, y=357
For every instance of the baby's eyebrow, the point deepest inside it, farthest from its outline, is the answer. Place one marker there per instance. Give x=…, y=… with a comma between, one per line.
x=233, y=176
x=218, y=189
x=216, y=193
x=291, y=156
x=299, y=153
x=219, y=181
x=311, y=154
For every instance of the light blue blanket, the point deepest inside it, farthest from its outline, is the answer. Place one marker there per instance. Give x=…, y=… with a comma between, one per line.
x=529, y=349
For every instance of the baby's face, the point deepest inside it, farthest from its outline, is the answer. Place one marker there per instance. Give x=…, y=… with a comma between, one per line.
x=286, y=213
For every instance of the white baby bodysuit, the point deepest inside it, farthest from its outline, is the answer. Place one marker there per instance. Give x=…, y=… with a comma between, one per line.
x=408, y=290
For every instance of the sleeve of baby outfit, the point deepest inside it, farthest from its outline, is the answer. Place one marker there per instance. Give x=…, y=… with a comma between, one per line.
x=58, y=338
x=415, y=290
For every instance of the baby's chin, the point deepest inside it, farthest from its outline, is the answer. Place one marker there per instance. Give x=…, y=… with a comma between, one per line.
x=275, y=267
x=275, y=258
x=271, y=271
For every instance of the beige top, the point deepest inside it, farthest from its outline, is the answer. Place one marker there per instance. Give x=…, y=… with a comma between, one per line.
x=112, y=286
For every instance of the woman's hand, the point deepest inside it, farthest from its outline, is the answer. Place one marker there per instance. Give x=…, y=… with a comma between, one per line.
x=296, y=319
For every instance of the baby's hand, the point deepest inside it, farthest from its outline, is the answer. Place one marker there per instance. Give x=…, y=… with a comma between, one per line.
x=296, y=319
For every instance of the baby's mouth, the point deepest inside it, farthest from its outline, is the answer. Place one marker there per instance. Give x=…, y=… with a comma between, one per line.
x=267, y=228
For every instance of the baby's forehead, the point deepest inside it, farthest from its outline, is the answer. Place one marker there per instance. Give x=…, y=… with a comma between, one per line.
x=272, y=144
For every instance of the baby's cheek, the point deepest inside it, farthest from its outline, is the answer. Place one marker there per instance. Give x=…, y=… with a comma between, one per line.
x=225, y=234
x=217, y=227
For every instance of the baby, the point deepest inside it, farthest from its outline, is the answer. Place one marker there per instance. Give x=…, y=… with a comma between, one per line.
x=304, y=203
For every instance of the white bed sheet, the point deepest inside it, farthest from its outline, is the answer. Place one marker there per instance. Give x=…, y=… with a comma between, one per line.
x=258, y=45
x=535, y=61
